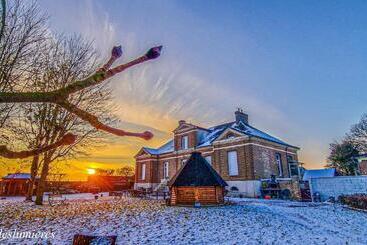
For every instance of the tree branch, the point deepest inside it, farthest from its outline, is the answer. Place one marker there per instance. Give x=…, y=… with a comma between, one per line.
x=60, y=96
x=3, y=15
x=68, y=139
x=93, y=120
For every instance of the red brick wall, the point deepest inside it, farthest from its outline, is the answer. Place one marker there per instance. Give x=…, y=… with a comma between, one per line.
x=151, y=172
x=363, y=167
x=254, y=161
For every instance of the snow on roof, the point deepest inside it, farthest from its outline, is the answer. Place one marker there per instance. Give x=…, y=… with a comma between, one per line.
x=319, y=173
x=213, y=135
x=18, y=176
x=215, y=132
x=168, y=147
x=251, y=131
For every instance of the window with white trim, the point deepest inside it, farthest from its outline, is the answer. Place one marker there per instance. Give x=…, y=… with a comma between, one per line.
x=209, y=159
x=183, y=161
x=293, y=166
x=185, y=142
x=143, y=166
x=165, y=170
x=278, y=159
x=232, y=163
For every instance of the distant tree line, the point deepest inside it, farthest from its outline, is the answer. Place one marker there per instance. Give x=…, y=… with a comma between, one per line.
x=126, y=171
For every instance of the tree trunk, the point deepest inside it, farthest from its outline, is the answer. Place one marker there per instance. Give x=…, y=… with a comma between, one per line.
x=34, y=169
x=43, y=178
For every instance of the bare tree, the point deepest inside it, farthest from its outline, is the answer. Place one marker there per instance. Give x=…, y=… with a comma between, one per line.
x=45, y=124
x=21, y=40
x=9, y=94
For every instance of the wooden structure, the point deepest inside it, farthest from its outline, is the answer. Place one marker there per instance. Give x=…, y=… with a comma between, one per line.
x=80, y=239
x=16, y=184
x=196, y=182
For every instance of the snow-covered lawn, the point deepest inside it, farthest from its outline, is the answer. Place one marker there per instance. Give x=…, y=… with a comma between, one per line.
x=137, y=221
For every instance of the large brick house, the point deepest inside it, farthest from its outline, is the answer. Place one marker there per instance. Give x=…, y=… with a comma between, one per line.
x=238, y=152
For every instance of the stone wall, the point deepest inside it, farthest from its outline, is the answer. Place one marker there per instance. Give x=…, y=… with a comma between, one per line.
x=247, y=188
x=336, y=186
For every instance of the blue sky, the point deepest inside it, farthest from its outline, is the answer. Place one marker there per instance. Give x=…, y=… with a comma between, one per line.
x=297, y=67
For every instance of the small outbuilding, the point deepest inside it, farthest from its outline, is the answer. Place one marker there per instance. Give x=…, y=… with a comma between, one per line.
x=197, y=183
x=15, y=184
x=319, y=173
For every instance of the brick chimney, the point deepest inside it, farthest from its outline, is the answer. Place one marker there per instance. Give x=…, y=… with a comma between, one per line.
x=241, y=116
x=181, y=122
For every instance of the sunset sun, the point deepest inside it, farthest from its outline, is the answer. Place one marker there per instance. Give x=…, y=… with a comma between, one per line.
x=91, y=171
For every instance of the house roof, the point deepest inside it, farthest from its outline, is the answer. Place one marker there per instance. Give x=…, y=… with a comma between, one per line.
x=18, y=176
x=197, y=172
x=319, y=173
x=214, y=132
x=167, y=147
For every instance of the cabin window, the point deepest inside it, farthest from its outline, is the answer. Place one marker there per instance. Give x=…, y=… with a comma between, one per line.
x=293, y=166
x=185, y=142
x=278, y=159
x=209, y=159
x=165, y=170
x=232, y=163
x=143, y=171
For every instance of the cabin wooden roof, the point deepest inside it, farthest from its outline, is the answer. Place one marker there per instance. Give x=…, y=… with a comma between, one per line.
x=197, y=172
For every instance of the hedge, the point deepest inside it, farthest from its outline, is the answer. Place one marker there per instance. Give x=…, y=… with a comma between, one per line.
x=355, y=201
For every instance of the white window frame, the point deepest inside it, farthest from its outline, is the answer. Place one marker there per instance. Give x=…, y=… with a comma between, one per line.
x=209, y=159
x=185, y=142
x=183, y=161
x=166, y=170
x=232, y=166
x=278, y=159
x=143, y=170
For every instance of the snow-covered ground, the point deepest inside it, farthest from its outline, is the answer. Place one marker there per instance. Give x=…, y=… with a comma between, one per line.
x=137, y=221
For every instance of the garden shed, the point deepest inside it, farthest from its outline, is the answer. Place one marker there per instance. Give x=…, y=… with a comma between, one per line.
x=196, y=182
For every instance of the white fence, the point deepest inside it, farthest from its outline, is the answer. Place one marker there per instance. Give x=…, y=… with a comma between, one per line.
x=248, y=188
x=336, y=186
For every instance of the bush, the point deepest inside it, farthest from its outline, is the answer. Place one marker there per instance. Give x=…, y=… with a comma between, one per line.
x=355, y=201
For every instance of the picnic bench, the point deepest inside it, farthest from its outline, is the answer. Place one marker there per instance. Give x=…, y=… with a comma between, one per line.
x=94, y=240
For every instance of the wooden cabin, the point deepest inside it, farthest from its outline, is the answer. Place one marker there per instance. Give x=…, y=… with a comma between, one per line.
x=197, y=183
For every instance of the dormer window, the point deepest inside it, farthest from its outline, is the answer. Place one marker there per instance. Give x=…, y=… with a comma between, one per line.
x=185, y=142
